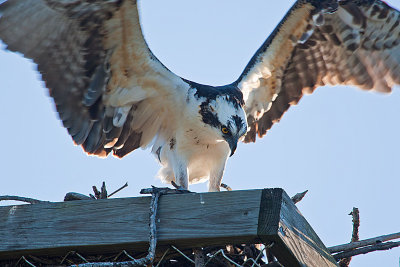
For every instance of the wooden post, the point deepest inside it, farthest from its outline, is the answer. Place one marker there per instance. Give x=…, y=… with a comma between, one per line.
x=281, y=222
x=191, y=220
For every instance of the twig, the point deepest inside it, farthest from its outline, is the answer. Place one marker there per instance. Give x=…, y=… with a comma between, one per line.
x=97, y=194
x=221, y=251
x=23, y=199
x=364, y=243
x=357, y=247
x=26, y=261
x=102, y=194
x=356, y=225
x=127, y=254
x=299, y=196
x=365, y=250
x=73, y=253
x=258, y=257
x=183, y=254
x=43, y=261
x=163, y=256
x=118, y=255
x=345, y=261
x=119, y=189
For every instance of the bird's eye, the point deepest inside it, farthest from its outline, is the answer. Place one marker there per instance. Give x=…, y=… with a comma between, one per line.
x=225, y=130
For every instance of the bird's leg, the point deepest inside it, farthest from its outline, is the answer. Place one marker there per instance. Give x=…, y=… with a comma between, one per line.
x=214, y=184
x=182, y=180
x=181, y=174
x=179, y=165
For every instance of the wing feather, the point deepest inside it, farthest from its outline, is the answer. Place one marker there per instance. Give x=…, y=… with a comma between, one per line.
x=106, y=84
x=356, y=42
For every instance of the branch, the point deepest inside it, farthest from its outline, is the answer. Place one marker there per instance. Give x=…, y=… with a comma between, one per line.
x=345, y=261
x=25, y=260
x=299, y=196
x=119, y=189
x=356, y=247
x=364, y=243
x=365, y=250
x=23, y=199
x=97, y=194
x=100, y=194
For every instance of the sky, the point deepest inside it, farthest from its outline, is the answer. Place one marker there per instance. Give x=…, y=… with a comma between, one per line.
x=340, y=143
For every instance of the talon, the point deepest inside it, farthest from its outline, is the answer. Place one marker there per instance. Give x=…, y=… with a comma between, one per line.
x=227, y=187
x=179, y=189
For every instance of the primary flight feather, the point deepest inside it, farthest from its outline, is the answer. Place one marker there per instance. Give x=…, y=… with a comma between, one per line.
x=114, y=96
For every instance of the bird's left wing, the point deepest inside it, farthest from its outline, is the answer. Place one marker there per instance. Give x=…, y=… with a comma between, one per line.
x=110, y=92
x=324, y=42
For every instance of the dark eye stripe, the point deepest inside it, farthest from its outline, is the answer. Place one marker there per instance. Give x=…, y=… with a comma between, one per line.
x=238, y=121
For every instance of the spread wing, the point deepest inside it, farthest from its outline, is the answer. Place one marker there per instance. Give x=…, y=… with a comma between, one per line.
x=352, y=42
x=110, y=92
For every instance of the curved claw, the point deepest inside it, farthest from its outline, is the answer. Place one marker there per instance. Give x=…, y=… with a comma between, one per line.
x=179, y=188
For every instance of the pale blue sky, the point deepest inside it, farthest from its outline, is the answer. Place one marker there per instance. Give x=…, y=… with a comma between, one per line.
x=342, y=144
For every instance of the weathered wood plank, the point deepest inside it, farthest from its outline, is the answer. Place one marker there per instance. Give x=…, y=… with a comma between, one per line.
x=282, y=223
x=183, y=220
x=186, y=221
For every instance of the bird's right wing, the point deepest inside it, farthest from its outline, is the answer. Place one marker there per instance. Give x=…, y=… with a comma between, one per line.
x=110, y=92
x=324, y=42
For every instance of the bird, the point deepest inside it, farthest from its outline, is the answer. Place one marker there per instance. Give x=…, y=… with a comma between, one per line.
x=114, y=96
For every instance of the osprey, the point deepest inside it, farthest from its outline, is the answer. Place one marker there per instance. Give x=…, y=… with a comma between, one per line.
x=114, y=96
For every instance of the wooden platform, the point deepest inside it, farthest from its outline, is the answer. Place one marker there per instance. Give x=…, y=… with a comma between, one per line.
x=185, y=221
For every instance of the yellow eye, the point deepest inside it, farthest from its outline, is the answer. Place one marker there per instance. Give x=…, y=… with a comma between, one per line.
x=225, y=130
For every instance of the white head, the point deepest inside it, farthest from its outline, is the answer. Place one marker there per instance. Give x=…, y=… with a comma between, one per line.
x=226, y=117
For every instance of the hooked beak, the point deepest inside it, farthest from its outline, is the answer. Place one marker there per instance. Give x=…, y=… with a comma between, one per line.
x=232, y=144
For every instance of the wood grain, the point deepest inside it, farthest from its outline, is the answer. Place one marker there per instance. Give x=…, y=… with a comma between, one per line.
x=295, y=242
x=203, y=219
x=186, y=221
